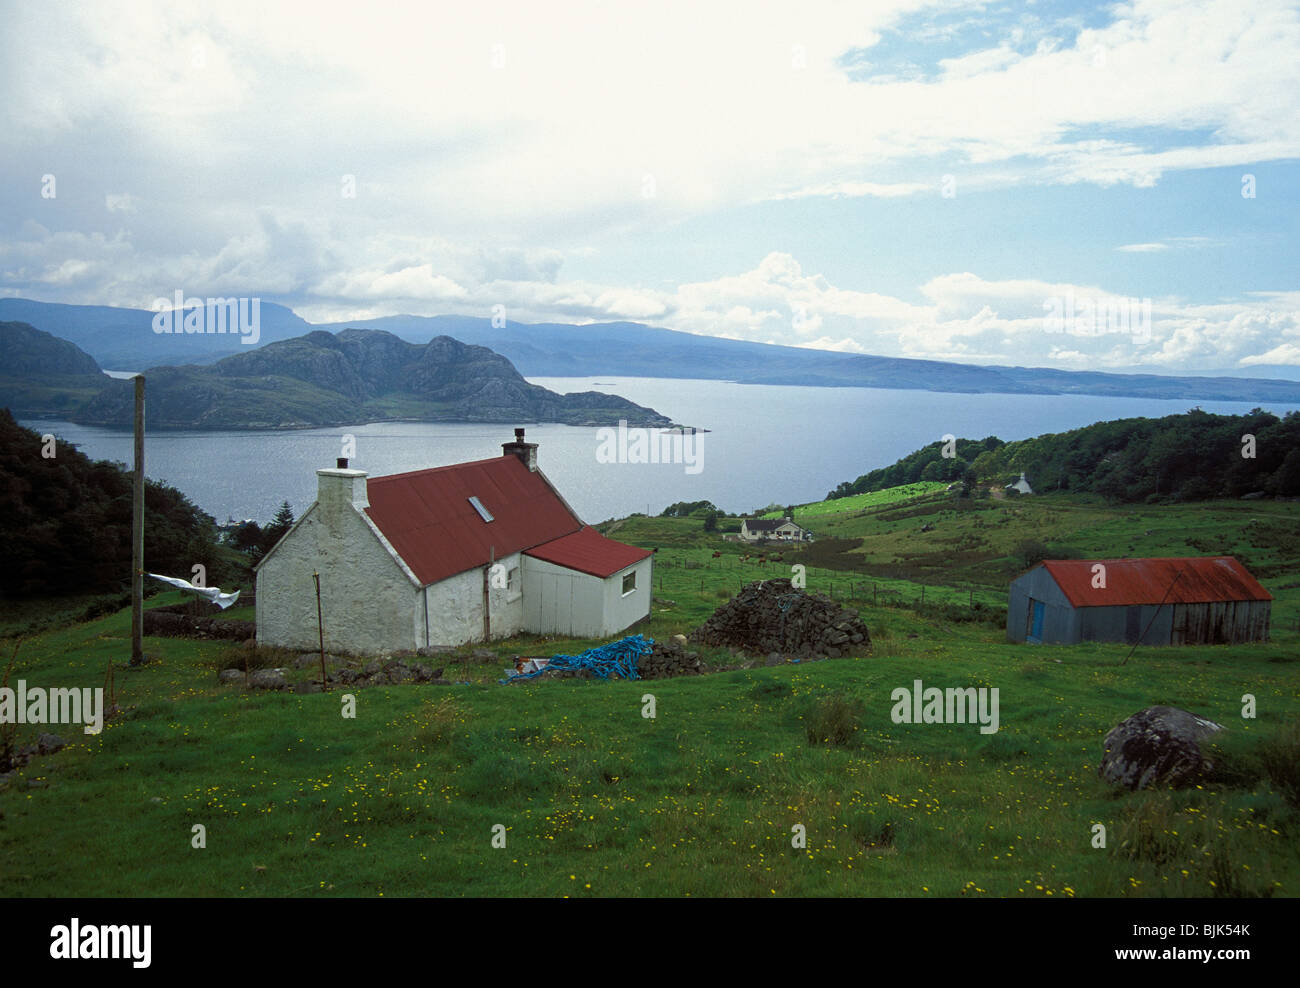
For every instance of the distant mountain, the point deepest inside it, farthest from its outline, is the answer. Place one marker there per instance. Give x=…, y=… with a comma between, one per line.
x=42, y=376
x=632, y=350
x=124, y=339
x=323, y=379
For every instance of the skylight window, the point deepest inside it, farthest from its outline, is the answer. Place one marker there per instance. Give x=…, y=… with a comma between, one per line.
x=482, y=511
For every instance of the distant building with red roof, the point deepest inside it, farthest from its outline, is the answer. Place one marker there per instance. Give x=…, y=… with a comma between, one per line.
x=1172, y=601
x=446, y=556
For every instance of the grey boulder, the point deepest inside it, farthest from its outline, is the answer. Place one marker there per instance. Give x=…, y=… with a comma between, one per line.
x=1156, y=746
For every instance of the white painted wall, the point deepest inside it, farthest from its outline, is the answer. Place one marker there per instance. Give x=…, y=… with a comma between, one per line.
x=366, y=597
x=456, y=607
x=623, y=611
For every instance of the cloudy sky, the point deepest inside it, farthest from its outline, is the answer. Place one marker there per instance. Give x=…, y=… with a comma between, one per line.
x=894, y=177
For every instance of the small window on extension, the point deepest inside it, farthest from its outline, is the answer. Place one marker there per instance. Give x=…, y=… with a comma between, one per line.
x=482, y=511
x=629, y=583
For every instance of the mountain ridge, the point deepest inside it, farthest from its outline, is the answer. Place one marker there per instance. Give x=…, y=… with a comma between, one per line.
x=313, y=381
x=629, y=349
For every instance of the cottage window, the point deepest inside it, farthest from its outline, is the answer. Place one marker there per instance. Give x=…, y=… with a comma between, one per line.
x=629, y=582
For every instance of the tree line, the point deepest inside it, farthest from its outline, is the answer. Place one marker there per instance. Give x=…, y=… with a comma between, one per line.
x=65, y=524
x=1188, y=457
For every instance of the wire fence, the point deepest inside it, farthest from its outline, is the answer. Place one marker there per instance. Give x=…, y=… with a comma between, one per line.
x=839, y=584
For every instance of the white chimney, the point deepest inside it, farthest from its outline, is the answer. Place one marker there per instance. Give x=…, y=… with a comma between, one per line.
x=340, y=489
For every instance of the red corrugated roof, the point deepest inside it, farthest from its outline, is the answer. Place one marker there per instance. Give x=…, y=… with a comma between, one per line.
x=427, y=517
x=588, y=551
x=1149, y=581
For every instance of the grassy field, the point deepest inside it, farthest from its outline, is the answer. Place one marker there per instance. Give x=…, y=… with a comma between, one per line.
x=596, y=799
x=859, y=502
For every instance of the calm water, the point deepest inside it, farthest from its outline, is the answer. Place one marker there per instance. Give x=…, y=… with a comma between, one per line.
x=767, y=444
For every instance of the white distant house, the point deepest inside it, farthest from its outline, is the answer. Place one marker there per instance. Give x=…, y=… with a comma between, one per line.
x=783, y=529
x=446, y=556
x=1021, y=485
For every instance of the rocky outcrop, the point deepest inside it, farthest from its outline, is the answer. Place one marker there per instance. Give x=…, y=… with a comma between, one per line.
x=1156, y=746
x=324, y=379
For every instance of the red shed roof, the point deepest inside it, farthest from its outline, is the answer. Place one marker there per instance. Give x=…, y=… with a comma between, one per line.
x=427, y=517
x=1150, y=581
x=588, y=551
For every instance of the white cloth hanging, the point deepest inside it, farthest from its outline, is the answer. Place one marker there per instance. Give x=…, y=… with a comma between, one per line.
x=214, y=594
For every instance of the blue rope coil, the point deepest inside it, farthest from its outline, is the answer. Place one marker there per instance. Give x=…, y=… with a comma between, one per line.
x=616, y=658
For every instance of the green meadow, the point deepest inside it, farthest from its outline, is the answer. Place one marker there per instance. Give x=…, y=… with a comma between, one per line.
x=785, y=780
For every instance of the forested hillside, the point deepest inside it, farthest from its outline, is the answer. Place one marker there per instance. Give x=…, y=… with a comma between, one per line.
x=1185, y=457
x=65, y=521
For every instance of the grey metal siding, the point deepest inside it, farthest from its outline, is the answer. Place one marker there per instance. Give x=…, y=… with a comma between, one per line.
x=1219, y=622
x=1060, y=625
x=1126, y=623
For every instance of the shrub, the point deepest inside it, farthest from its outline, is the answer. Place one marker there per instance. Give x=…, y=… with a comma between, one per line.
x=1279, y=757
x=1031, y=552
x=833, y=720
x=435, y=722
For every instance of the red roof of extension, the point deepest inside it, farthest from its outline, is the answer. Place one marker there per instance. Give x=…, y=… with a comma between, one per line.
x=1150, y=581
x=427, y=517
x=588, y=551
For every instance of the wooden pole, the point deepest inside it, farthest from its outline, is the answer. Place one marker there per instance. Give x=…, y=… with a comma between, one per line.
x=320, y=630
x=487, y=597
x=137, y=531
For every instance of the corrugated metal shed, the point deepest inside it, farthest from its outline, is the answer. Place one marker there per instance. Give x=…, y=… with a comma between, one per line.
x=588, y=551
x=427, y=516
x=1169, y=601
x=1149, y=581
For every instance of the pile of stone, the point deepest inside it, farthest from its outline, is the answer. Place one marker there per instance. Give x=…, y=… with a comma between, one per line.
x=177, y=621
x=11, y=762
x=669, y=658
x=377, y=672
x=386, y=672
x=773, y=616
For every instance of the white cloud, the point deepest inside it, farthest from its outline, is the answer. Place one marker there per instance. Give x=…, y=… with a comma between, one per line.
x=121, y=202
x=234, y=123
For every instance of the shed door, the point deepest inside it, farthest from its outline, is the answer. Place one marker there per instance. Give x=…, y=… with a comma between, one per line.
x=1132, y=625
x=1036, y=622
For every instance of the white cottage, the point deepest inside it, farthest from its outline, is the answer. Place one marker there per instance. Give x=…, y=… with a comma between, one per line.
x=446, y=556
x=785, y=530
x=1021, y=485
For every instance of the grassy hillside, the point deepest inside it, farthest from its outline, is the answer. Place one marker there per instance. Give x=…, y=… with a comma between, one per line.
x=598, y=800
x=861, y=502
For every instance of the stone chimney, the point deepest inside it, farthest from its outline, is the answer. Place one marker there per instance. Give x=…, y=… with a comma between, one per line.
x=527, y=452
x=340, y=489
